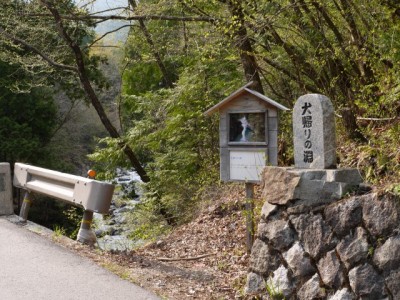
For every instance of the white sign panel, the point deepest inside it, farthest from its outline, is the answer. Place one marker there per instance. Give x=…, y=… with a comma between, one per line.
x=246, y=165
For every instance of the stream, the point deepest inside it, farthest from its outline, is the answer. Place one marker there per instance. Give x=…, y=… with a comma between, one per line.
x=112, y=230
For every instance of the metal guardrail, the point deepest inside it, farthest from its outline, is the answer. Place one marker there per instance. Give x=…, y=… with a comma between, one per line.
x=92, y=195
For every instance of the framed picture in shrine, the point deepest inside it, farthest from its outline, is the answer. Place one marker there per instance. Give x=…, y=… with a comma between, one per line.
x=248, y=128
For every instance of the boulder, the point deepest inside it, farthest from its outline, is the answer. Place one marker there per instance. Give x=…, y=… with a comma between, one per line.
x=314, y=233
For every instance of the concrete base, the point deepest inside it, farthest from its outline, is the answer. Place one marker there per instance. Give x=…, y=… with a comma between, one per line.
x=6, y=201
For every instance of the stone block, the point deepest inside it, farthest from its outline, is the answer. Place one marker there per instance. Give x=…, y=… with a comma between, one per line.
x=330, y=270
x=311, y=289
x=261, y=260
x=366, y=283
x=309, y=190
x=312, y=187
x=344, y=216
x=255, y=284
x=309, y=174
x=314, y=234
x=278, y=185
x=350, y=176
x=268, y=210
x=354, y=248
x=387, y=257
x=281, y=282
x=278, y=232
x=6, y=201
x=298, y=262
x=381, y=216
x=314, y=132
x=343, y=294
x=393, y=284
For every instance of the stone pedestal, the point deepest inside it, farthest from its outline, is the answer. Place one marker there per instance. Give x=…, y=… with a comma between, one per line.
x=308, y=186
x=6, y=204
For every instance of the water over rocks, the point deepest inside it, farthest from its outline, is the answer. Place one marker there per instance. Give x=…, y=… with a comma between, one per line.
x=112, y=231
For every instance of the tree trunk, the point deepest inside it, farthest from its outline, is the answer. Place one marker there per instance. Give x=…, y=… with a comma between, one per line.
x=351, y=127
x=245, y=48
x=90, y=93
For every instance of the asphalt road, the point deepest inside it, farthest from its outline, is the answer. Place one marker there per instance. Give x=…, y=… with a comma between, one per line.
x=34, y=268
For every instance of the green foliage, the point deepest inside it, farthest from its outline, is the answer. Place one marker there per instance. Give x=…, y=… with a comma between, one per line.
x=63, y=218
x=379, y=160
x=58, y=232
x=274, y=292
x=26, y=120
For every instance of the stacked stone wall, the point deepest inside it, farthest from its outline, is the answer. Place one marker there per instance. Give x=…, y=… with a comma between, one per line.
x=336, y=249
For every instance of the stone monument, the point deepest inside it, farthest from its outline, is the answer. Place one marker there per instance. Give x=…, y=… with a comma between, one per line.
x=314, y=180
x=314, y=133
x=310, y=242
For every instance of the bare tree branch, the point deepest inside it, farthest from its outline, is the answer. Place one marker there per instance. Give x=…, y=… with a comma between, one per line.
x=130, y=18
x=107, y=33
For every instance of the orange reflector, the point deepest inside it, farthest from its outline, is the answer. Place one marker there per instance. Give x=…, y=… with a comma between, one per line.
x=91, y=173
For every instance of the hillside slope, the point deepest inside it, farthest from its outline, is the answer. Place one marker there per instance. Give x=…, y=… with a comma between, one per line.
x=204, y=259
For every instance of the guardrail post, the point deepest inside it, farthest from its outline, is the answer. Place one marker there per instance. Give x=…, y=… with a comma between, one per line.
x=26, y=205
x=86, y=234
